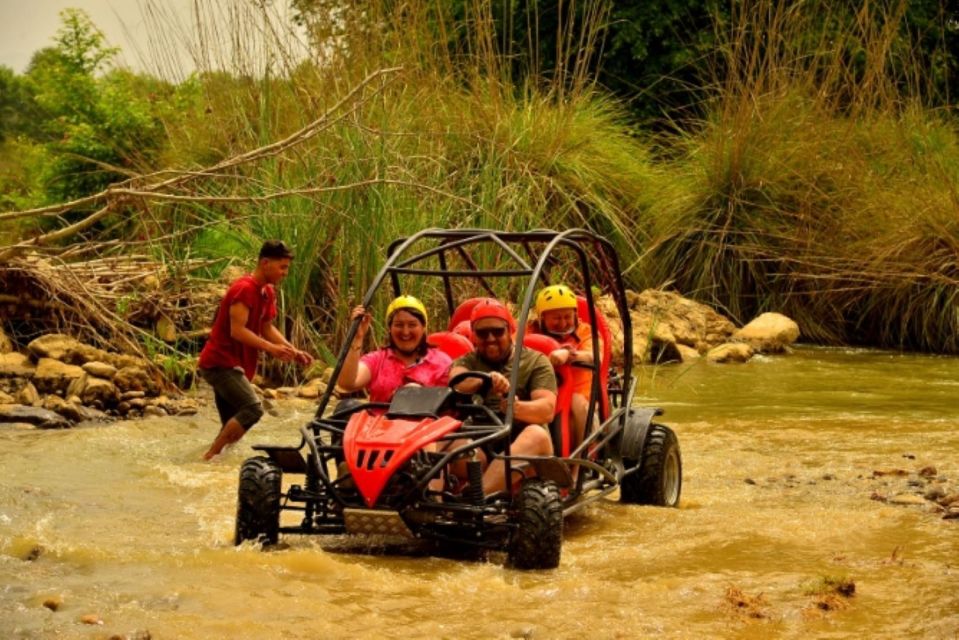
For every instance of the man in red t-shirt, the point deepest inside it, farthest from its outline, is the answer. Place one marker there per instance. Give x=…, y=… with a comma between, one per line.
x=242, y=328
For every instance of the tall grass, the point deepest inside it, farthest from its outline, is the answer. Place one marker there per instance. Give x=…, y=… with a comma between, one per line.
x=819, y=185
x=452, y=140
x=815, y=183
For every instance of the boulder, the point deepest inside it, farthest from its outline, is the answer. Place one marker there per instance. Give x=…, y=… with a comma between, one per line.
x=69, y=410
x=665, y=313
x=730, y=352
x=16, y=365
x=58, y=347
x=37, y=416
x=688, y=354
x=154, y=412
x=135, y=378
x=57, y=404
x=184, y=407
x=99, y=392
x=28, y=395
x=72, y=351
x=768, y=333
x=54, y=376
x=662, y=323
x=100, y=369
x=312, y=388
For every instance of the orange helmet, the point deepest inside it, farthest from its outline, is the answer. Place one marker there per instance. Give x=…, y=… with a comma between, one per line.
x=492, y=308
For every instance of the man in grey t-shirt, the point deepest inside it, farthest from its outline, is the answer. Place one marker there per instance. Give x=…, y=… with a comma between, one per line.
x=492, y=326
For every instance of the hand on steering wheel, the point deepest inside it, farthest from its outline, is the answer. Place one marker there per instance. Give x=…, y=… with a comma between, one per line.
x=485, y=378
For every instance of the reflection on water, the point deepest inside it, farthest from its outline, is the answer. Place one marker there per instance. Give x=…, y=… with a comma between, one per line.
x=123, y=521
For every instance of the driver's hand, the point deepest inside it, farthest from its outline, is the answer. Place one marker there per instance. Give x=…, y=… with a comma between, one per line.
x=500, y=383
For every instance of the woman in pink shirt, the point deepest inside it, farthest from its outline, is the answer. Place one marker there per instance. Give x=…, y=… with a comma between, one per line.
x=405, y=359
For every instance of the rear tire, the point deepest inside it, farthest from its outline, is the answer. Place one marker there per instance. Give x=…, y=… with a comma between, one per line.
x=258, y=502
x=537, y=541
x=659, y=479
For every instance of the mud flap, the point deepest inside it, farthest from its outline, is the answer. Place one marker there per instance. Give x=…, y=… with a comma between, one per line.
x=638, y=421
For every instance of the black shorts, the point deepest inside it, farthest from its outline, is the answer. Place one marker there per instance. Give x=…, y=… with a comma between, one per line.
x=234, y=396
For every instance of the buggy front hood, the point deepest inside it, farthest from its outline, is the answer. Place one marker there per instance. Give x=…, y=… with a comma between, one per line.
x=376, y=446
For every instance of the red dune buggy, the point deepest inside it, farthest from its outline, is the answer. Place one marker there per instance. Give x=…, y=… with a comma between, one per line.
x=366, y=468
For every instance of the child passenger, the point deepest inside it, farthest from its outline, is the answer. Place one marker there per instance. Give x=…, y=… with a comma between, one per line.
x=556, y=310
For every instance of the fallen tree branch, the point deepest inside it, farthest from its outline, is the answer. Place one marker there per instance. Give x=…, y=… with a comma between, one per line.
x=120, y=191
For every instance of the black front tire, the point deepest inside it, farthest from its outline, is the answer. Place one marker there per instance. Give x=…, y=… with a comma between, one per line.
x=659, y=479
x=537, y=541
x=258, y=502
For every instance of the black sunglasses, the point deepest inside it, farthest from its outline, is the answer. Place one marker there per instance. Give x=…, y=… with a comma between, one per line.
x=495, y=332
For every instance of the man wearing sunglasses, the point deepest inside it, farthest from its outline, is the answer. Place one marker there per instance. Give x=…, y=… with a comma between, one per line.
x=492, y=327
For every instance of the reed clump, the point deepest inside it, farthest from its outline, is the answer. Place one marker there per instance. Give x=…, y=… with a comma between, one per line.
x=818, y=185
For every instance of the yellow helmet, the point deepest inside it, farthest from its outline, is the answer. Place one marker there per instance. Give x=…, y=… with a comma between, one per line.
x=556, y=296
x=406, y=302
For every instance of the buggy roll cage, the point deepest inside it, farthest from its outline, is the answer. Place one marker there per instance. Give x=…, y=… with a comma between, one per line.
x=405, y=256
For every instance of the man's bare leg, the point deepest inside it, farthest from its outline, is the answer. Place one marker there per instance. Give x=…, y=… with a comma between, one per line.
x=533, y=441
x=231, y=432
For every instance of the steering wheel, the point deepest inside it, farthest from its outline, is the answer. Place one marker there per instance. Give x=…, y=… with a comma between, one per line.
x=487, y=382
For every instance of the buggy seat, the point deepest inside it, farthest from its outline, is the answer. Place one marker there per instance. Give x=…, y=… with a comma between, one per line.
x=559, y=428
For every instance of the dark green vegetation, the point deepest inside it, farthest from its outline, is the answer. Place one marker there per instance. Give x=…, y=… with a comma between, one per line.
x=798, y=157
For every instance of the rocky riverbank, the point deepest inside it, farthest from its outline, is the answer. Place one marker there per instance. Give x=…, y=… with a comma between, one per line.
x=57, y=381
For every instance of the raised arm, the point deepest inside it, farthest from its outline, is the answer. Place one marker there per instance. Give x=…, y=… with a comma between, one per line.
x=355, y=375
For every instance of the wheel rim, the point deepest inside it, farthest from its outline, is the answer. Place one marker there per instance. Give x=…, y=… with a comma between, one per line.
x=671, y=478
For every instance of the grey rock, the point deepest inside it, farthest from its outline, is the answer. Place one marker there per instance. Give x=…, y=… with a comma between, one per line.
x=37, y=416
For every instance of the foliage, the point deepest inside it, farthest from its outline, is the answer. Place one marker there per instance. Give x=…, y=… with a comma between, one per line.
x=95, y=124
x=819, y=188
x=802, y=167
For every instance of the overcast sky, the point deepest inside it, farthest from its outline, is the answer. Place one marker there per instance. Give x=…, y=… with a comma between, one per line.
x=29, y=25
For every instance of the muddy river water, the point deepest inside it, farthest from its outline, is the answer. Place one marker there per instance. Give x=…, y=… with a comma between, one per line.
x=790, y=467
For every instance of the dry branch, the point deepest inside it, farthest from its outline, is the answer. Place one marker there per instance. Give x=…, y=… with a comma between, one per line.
x=116, y=194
